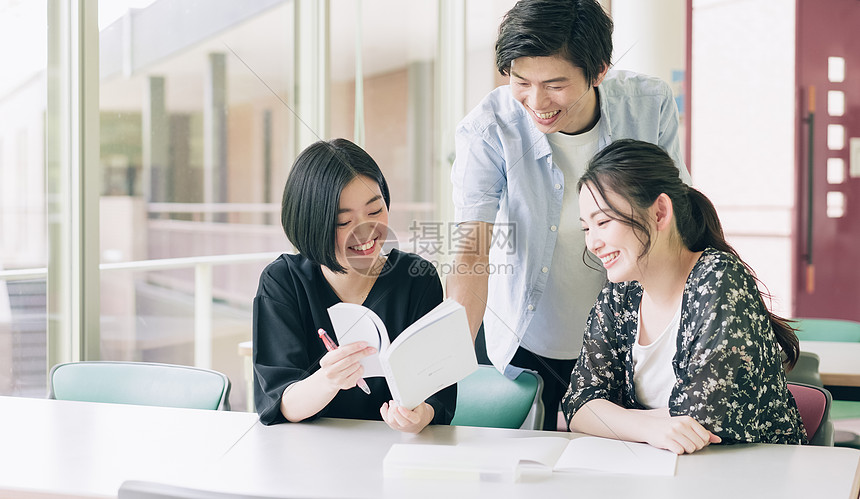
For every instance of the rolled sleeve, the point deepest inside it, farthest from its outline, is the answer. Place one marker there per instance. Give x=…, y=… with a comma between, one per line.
x=478, y=177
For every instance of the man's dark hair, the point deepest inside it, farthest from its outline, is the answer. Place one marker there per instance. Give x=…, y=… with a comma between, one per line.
x=311, y=199
x=579, y=31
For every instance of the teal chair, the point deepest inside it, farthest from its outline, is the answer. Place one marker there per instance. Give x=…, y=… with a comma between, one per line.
x=827, y=330
x=489, y=399
x=141, y=383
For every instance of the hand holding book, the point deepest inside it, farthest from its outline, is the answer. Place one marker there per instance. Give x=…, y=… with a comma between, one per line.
x=431, y=354
x=406, y=420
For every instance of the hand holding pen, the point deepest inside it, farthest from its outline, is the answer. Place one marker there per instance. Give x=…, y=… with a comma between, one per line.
x=347, y=365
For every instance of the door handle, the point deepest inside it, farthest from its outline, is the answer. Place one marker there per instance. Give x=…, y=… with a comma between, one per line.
x=810, y=161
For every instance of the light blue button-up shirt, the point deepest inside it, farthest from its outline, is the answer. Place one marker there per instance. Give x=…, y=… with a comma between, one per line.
x=504, y=175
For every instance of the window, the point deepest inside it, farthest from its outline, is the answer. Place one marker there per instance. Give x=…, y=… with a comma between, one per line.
x=196, y=141
x=201, y=108
x=23, y=93
x=388, y=105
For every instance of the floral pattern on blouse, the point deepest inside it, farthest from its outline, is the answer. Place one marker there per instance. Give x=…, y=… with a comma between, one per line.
x=728, y=371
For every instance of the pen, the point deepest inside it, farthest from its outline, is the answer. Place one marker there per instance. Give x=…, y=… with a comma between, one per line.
x=329, y=345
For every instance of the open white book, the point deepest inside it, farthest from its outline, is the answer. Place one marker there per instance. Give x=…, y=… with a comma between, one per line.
x=506, y=458
x=431, y=354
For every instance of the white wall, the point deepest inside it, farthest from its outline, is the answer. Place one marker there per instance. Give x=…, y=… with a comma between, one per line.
x=482, y=29
x=743, y=137
x=650, y=36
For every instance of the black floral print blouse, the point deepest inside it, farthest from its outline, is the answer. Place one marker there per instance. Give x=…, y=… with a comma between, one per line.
x=728, y=371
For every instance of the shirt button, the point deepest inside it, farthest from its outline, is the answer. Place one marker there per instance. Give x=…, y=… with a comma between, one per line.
x=553, y=228
x=545, y=270
x=558, y=186
x=531, y=307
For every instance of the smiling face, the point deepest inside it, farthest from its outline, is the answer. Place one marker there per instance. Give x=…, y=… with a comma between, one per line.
x=614, y=242
x=555, y=93
x=362, y=224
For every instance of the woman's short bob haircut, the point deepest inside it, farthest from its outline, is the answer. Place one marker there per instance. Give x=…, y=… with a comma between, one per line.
x=311, y=200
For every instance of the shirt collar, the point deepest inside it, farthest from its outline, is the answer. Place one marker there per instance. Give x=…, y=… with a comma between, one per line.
x=605, y=124
x=538, y=141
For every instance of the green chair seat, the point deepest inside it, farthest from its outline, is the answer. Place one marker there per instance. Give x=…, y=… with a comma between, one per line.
x=141, y=383
x=487, y=398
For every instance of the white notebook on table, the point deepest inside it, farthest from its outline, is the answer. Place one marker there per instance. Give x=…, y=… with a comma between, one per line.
x=506, y=459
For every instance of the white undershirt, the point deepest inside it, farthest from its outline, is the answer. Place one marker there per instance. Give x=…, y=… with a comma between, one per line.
x=653, y=374
x=556, y=330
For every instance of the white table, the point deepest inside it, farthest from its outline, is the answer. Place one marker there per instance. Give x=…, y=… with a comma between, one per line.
x=55, y=448
x=840, y=361
x=343, y=458
x=73, y=449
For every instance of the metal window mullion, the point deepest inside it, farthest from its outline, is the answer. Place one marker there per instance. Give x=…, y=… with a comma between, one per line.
x=358, y=112
x=72, y=138
x=451, y=96
x=203, y=315
x=312, y=71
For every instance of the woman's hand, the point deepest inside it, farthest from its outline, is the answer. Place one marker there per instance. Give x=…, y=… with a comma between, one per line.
x=342, y=368
x=402, y=419
x=679, y=434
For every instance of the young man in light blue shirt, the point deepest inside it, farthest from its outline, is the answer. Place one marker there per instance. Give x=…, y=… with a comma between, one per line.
x=519, y=252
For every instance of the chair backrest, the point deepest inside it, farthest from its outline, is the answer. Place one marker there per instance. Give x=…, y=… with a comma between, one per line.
x=141, y=383
x=137, y=489
x=488, y=398
x=806, y=370
x=813, y=402
x=827, y=330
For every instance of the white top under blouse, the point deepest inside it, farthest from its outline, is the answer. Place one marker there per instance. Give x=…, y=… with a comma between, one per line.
x=653, y=374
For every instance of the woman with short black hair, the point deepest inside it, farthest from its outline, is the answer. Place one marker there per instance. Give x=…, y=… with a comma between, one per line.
x=335, y=212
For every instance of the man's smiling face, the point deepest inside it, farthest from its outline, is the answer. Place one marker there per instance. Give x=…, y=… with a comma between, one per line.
x=555, y=93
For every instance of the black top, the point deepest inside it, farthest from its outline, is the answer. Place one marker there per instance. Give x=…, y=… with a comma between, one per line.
x=292, y=303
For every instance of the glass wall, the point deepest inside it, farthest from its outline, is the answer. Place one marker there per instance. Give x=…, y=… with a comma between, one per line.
x=383, y=66
x=23, y=231
x=196, y=143
x=198, y=118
